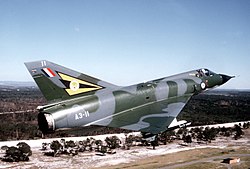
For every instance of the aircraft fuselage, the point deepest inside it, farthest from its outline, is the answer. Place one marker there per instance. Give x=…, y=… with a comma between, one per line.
x=78, y=100
x=139, y=100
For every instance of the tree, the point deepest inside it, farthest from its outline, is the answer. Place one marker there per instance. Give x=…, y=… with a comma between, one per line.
x=238, y=132
x=209, y=134
x=187, y=138
x=113, y=142
x=103, y=149
x=128, y=142
x=55, y=146
x=16, y=154
x=167, y=137
x=24, y=148
x=98, y=144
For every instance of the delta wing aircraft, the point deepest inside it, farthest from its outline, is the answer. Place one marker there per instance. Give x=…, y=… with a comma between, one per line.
x=78, y=100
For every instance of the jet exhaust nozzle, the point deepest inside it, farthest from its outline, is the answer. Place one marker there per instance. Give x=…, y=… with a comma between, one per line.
x=46, y=123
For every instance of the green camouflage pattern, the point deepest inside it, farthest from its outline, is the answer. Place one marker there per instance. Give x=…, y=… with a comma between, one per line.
x=78, y=100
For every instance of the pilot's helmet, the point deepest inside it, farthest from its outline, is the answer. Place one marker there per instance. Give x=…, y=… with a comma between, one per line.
x=203, y=71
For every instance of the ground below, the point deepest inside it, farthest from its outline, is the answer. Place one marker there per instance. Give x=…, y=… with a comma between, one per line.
x=173, y=155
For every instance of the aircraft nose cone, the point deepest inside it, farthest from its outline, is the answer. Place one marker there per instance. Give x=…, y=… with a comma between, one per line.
x=225, y=78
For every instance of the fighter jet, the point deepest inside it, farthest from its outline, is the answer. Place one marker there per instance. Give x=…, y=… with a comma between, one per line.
x=77, y=100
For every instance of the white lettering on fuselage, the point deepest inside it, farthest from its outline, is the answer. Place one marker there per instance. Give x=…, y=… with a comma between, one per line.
x=81, y=115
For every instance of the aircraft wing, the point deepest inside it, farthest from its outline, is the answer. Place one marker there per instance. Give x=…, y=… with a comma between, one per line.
x=153, y=118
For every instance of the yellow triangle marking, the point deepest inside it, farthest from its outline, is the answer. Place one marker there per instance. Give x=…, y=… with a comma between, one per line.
x=75, y=85
x=71, y=92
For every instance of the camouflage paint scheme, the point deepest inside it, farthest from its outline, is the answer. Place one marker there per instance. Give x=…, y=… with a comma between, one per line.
x=76, y=99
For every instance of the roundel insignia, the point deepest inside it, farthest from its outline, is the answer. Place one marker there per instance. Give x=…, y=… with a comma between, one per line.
x=74, y=85
x=203, y=85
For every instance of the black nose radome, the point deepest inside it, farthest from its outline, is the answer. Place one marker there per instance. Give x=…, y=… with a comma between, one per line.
x=225, y=78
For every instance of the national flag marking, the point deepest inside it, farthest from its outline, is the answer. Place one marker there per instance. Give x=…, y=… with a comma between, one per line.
x=48, y=72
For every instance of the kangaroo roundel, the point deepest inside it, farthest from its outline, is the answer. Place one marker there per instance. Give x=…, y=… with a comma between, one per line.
x=74, y=85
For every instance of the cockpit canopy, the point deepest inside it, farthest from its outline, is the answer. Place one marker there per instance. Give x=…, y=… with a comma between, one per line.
x=205, y=72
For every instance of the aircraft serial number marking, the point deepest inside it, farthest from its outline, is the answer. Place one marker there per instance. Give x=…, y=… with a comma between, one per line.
x=81, y=115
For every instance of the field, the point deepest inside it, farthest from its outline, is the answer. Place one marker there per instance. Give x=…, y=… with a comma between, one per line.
x=206, y=157
x=173, y=155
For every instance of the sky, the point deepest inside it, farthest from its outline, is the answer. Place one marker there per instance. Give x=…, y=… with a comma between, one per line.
x=127, y=41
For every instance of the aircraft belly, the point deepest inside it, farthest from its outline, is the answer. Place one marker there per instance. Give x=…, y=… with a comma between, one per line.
x=154, y=116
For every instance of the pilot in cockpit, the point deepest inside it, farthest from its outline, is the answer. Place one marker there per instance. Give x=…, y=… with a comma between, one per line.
x=204, y=72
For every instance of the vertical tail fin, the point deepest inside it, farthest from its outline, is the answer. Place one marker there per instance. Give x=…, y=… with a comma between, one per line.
x=59, y=83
